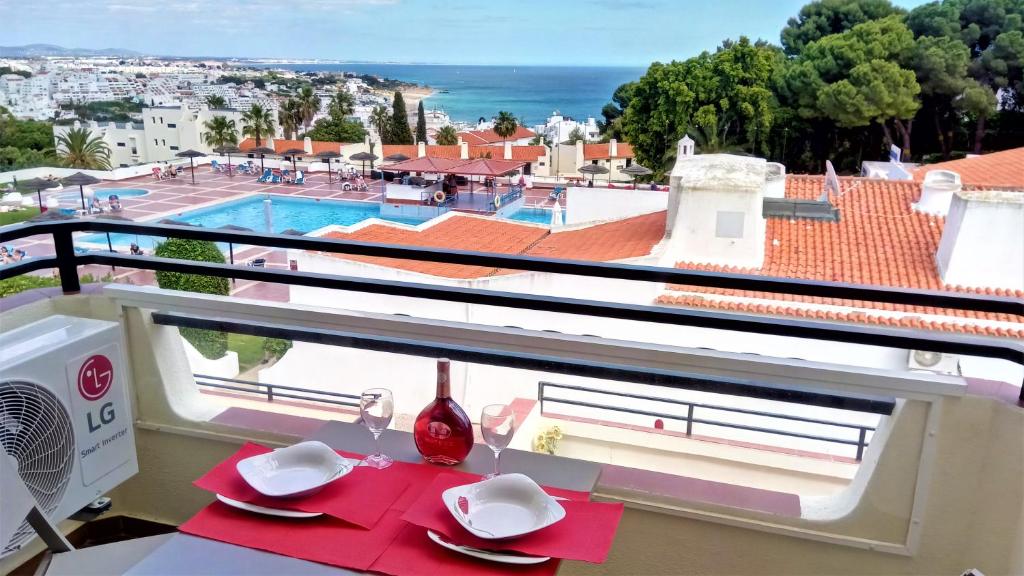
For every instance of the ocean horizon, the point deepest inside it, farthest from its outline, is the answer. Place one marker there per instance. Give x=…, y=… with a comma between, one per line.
x=468, y=93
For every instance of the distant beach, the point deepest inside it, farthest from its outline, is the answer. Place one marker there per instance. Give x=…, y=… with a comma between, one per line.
x=467, y=93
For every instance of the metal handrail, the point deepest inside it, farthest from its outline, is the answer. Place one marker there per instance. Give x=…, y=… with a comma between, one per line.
x=66, y=261
x=690, y=419
x=273, y=390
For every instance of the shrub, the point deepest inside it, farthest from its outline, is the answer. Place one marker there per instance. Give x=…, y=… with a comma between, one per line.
x=17, y=284
x=275, y=347
x=210, y=344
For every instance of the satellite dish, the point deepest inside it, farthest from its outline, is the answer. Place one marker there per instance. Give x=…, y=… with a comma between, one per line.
x=831, y=183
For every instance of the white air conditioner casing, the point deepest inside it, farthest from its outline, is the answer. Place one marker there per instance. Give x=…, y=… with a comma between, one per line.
x=937, y=362
x=64, y=409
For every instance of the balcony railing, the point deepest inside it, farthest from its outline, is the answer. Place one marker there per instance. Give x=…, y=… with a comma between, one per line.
x=689, y=418
x=271, y=391
x=66, y=261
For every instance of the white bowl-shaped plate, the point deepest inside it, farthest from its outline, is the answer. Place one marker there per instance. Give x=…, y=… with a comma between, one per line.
x=505, y=506
x=268, y=511
x=294, y=471
x=493, y=556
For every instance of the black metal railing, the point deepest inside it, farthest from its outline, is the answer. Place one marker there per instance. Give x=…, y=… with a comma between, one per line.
x=689, y=418
x=272, y=391
x=66, y=261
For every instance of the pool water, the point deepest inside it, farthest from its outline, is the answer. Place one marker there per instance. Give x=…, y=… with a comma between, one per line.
x=532, y=215
x=73, y=194
x=304, y=214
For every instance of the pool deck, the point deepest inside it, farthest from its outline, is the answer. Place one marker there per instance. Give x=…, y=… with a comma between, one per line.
x=168, y=198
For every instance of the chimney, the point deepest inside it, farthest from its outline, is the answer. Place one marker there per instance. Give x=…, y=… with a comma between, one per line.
x=982, y=244
x=307, y=145
x=775, y=183
x=463, y=150
x=715, y=210
x=613, y=148
x=458, y=139
x=580, y=157
x=685, y=148
x=421, y=149
x=937, y=192
x=507, y=152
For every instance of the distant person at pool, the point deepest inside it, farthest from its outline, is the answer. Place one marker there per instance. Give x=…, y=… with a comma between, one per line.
x=136, y=251
x=115, y=203
x=5, y=256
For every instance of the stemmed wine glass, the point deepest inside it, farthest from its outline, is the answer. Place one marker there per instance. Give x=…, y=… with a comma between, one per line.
x=376, y=406
x=497, y=425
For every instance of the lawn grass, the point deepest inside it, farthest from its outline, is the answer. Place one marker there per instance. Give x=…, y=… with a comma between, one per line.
x=248, y=348
x=15, y=216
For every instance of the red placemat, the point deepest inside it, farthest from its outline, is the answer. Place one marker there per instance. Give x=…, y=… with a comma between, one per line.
x=412, y=553
x=324, y=539
x=361, y=497
x=586, y=532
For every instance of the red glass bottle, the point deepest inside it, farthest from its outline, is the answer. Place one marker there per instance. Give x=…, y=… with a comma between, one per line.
x=442, y=432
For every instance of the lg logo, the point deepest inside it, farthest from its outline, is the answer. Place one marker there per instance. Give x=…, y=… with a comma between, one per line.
x=94, y=380
x=95, y=377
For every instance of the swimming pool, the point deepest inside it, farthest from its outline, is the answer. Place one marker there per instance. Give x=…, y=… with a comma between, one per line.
x=73, y=194
x=303, y=214
x=532, y=215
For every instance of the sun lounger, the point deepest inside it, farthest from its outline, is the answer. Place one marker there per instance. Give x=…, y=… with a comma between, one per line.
x=257, y=263
x=216, y=166
x=300, y=177
x=556, y=193
x=267, y=173
x=275, y=178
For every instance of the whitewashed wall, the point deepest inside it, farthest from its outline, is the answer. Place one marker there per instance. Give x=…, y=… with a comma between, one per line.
x=603, y=204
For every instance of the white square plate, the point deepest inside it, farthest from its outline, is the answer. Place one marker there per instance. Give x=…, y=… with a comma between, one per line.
x=505, y=506
x=298, y=470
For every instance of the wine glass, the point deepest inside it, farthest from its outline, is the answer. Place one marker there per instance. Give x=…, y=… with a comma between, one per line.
x=376, y=406
x=497, y=425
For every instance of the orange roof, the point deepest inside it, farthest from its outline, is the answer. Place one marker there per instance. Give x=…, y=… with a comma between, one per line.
x=491, y=137
x=282, y=145
x=524, y=153
x=993, y=170
x=629, y=238
x=878, y=241
x=407, y=150
x=603, y=151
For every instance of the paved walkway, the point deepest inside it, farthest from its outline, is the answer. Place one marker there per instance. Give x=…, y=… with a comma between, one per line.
x=170, y=198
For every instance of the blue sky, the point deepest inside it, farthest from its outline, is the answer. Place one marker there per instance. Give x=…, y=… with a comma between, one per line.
x=566, y=32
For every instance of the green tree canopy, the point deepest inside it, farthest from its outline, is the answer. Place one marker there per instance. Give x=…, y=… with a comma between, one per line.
x=421, y=124
x=220, y=132
x=289, y=116
x=257, y=123
x=78, y=148
x=380, y=120
x=505, y=124
x=447, y=136
x=401, y=132
x=826, y=17
x=215, y=101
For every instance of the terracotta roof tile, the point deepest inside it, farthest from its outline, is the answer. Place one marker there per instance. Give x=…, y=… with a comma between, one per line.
x=603, y=151
x=993, y=170
x=523, y=153
x=629, y=238
x=491, y=137
x=282, y=145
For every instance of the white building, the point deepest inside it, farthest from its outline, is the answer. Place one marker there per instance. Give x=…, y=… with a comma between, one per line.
x=559, y=128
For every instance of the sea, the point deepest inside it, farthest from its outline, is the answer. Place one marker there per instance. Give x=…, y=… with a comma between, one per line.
x=531, y=93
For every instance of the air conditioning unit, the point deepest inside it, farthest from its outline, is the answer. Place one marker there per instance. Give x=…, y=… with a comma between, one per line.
x=65, y=419
x=923, y=360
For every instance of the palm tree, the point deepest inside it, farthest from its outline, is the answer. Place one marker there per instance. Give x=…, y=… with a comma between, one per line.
x=575, y=136
x=505, y=125
x=78, y=148
x=342, y=105
x=215, y=101
x=258, y=122
x=446, y=135
x=380, y=119
x=220, y=132
x=715, y=137
x=309, y=105
x=290, y=117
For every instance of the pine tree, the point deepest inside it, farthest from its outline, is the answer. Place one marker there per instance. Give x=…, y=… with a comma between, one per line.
x=401, y=133
x=421, y=124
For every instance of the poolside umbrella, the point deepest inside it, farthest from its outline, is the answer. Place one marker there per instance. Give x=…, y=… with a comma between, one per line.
x=363, y=157
x=38, y=184
x=326, y=156
x=635, y=170
x=262, y=151
x=228, y=150
x=109, y=216
x=592, y=169
x=231, y=245
x=293, y=152
x=80, y=179
x=397, y=157
x=191, y=155
x=293, y=232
